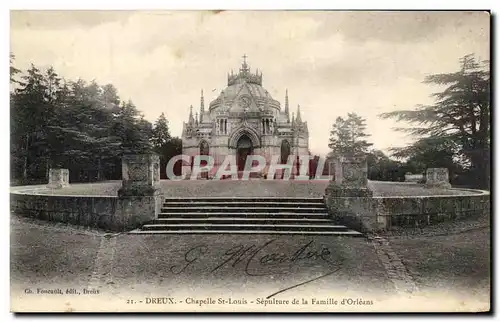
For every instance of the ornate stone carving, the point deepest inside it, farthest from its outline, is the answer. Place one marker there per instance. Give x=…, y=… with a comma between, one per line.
x=140, y=172
x=349, y=172
x=354, y=174
x=244, y=102
x=137, y=172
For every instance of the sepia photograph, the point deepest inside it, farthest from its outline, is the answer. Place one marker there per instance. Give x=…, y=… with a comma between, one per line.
x=250, y=161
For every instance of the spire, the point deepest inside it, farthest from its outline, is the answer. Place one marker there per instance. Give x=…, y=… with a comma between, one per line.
x=196, y=118
x=287, y=111
x=299, y=119
x=202, y=106
x=245, y=75
x=293, y=119
x=191, y=119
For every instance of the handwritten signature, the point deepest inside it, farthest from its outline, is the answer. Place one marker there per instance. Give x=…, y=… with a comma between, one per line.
x=257, y=262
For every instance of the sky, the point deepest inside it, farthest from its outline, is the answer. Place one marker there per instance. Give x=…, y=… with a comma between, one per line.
x=331, y=62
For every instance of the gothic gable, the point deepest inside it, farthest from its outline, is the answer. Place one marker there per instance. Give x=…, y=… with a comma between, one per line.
x=244, y=100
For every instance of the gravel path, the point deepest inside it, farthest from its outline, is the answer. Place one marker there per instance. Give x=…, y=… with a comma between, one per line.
x=442, y=229
x=450, y=272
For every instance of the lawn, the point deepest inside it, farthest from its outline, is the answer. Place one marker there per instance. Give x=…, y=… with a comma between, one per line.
x=252, y=188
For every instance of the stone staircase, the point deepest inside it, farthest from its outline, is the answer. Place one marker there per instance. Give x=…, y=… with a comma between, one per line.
x=253, y=215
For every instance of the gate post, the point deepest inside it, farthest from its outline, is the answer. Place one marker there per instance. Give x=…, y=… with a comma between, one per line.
x=140, y=197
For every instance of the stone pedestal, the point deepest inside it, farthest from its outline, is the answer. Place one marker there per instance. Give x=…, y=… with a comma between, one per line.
x=348, y=198
x=437, y=178
x=350, y=172
x=140, y=172
x=58, y=178
x=140, y=197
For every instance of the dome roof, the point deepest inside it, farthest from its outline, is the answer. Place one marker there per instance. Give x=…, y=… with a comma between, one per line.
x=245, y=83
x=233, y=91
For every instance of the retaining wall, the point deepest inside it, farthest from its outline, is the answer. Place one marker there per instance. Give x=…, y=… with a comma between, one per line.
x=104, y=212
x=421, y=211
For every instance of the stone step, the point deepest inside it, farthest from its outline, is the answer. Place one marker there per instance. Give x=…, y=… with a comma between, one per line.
x=240, y=226
x=347, y=233
x=245, y=215
x=232, y=220
x=246, y=209
x=229, y=214
x=243, y=204
x=246, y=199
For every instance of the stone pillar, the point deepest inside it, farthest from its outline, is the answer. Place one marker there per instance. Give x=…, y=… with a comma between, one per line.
x=348, y=197
x=140, y=197
x=437, y=178
x=58, y=178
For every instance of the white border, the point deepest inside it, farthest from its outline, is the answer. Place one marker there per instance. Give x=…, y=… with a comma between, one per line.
x=188, y=4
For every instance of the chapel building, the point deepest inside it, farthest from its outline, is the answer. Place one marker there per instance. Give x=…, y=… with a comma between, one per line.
x=243, y=120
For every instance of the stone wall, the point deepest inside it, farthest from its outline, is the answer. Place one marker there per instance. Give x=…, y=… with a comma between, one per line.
x=108, y=213
x=427, y=210
x=351, y=203
x=139, y=200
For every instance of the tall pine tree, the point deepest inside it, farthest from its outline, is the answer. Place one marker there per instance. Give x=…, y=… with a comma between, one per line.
x=348, y=137
x=161, y=132
x=84, y=127
x=460, y=114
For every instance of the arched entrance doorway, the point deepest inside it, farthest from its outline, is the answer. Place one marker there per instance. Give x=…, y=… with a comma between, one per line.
x=244, y=148
x=285, y=151
x=204, y=150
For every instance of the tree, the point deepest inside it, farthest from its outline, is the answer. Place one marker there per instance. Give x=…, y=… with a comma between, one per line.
x=33, y=110
x=160, y=133
x=81, y=126
x=383, y=168
x=347, y=137
x=460, y=114
x=85, y=124
x=172, y=148
x=163, y=144
x=134, y=132
x=13, y=70
x=434, y=152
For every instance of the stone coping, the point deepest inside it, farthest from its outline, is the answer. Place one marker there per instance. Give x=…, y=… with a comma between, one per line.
x=33, y=191
x=473, y=192
x=43, y=190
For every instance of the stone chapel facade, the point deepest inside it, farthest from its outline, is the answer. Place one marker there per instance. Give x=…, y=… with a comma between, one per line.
x=244, y=119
